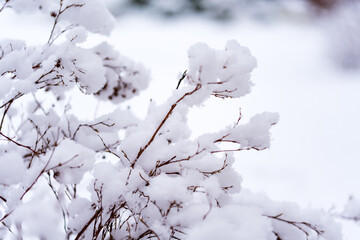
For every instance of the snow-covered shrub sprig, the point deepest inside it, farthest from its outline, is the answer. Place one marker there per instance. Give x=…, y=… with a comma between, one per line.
x=116, y=176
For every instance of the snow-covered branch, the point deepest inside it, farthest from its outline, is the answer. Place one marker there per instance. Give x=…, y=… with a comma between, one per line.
x=116, y=176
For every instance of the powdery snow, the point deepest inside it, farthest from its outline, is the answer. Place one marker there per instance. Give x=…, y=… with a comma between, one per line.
x=314, y=155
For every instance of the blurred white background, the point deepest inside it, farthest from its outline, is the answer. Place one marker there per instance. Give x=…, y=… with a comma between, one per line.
x=308, y=71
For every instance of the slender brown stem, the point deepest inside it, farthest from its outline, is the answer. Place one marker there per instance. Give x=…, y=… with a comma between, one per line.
x=298, y=225
x=55, y=23
x=60, y=11
x=4, y=5
x=30, y=187
x=37, y=178
x=63, y=163
x=19, y=144
x=11, y=100
x=6, y=215
x=2, y=198
x=239, y=149
x=88, y=224
x=141, y=151
x=5, y=112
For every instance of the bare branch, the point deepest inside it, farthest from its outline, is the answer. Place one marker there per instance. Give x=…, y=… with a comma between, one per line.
x=30, y=187
x=97, y=213
x=107, y=147
x=238, y=121
x=19, y=144
x=198, y=86
x=7, y=107
x=2, y=198
x=218, y=170
x=56, y=20
x=182, y=78
x=92, y=126
x=37, y=178
x=63, y=210
x=4, y=5
x=302, y=226
x=174, y=160
x=239, y=149
x=18, y=95
x=63, y=163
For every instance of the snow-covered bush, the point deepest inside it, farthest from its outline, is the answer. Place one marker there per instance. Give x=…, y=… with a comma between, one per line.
x=117, y=176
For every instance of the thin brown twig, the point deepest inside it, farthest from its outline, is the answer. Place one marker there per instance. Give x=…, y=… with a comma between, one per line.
x=4, y=5
x=298, y=225
x=58, y=14
x=19, y=144
x=198, y=86
x=92, y=126
x=218, y=170
x=108, y=147
x=239, y=149
x=18, y=95
x=37, y=178
x=88, y=224
x=174, y=160
x=39, y=106
x=63, y=163
x=8, y=228
x=182, y=78
x=222, y=138
x=147, y=232
x=5, y=112
x=30, y=187
x=2, y=198
x=238, y=121
x=59, y=202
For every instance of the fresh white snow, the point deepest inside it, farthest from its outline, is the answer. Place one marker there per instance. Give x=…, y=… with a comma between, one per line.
x=315, y=153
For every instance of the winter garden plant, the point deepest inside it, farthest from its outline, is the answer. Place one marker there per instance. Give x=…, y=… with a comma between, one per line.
x=117, y=176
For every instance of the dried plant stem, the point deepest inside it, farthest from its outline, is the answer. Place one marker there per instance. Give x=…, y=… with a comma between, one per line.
x=141, y=151
x=19, y=144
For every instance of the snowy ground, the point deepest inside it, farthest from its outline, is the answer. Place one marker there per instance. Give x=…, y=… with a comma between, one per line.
x=314, y=159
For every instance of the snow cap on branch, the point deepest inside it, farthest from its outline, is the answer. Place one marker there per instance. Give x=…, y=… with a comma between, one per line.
x=90, y=14
x=225, y=72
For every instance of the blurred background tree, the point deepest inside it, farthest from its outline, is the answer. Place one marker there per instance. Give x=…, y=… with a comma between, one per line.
x=336, y=16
